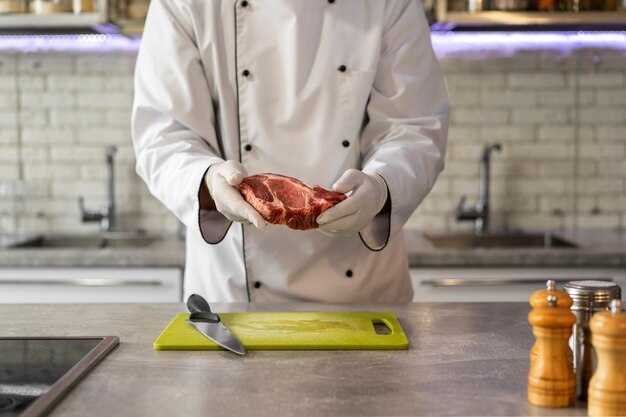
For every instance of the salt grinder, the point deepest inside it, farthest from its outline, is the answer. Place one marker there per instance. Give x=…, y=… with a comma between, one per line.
x=589, y=297
x=607, y=388
x=539, y=299
x=551, y=381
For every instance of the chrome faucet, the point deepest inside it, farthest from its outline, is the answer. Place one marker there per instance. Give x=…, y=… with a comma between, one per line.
x=479, y=212
x=105, y=215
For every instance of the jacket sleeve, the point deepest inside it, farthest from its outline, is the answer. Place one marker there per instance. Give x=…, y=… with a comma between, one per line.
x=405, y=136
x=173, y=118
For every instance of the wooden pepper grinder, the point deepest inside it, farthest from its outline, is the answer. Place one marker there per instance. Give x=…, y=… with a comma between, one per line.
x=607, y=388
x=551, y=379
x=539, y=299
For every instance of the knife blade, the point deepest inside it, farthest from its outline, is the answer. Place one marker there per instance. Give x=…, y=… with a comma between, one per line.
x=210, y=325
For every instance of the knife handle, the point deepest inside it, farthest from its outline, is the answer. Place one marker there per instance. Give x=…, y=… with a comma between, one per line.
x=204, y=317
x=200, y=309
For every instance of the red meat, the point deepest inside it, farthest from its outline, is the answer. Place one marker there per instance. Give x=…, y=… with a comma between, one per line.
x=285, y=200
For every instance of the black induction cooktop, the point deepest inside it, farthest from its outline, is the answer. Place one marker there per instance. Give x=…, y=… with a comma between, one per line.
x=35, y=373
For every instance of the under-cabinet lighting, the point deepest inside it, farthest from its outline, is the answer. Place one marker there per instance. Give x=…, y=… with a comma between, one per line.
x=510, y=43
x=444, y=43
x=69, y=43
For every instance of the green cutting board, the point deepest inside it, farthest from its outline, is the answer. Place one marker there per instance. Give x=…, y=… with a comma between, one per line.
x=291, y=331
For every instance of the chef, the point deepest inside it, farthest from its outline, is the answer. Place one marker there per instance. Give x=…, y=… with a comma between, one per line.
x=345, y=94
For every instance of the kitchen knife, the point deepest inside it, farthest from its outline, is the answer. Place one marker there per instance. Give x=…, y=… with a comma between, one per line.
x=210, y=325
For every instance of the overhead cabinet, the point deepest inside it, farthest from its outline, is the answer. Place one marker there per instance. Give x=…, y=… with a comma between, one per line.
x=479, y=13
x=52, y=14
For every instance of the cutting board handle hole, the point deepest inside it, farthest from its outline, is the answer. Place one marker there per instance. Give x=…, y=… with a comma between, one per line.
x=381, y=327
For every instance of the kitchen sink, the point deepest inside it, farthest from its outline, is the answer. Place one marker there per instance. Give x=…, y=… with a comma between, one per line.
x=498, y=240
x=99, y=241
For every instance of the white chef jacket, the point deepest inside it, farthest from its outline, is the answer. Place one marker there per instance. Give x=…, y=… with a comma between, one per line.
x=304, y=88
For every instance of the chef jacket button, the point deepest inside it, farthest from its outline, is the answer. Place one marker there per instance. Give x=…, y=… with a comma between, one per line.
x=257, y=284
x=349, y=273
x=342, y=68
x=245, y=73
x=248, y=147
x=331, y=1
x=244, y=3
x=345, y=143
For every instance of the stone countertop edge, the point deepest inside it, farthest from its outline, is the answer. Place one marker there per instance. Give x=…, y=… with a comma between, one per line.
x=597, y=248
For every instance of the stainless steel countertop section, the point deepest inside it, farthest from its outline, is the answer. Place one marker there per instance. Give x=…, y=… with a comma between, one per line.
x=603, y=248
x=166, y=252
x=596, y=248
x=464, y=359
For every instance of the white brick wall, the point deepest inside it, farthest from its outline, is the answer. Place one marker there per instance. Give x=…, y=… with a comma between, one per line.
x=83, y=83
x=8, y=136
x=539, y=115
x=536, y=80
x=480, y=116
x=508, y=98
x=507, y=132
x=59, y=111
x=563, y=134
x=47, y=135
x=599, y=79
x=8, y=118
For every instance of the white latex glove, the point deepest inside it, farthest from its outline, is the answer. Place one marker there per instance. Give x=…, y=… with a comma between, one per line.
x=221, y=179
x=368, y=196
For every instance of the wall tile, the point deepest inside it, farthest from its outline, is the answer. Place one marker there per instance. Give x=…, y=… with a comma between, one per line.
x=71, y=106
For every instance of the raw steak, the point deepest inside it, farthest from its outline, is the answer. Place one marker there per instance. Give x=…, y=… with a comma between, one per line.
x=285, y=200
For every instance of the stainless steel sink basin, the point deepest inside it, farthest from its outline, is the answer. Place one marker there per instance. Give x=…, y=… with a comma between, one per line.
x=497, y=240
x=100, y=241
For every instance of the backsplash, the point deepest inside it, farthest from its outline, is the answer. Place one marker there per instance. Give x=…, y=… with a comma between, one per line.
x=557, y=104
x=59, y=113
x=559, y=115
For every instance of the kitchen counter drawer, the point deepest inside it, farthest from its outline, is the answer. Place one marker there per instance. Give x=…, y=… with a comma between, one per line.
x=499, y=284
x=90, y=285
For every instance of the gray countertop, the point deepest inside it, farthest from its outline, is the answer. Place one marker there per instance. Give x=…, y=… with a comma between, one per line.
x=464, y=359
x=166, y=252
x=596, y=248
x=603, y=248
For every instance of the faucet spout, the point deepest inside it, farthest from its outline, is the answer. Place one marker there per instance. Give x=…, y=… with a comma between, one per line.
x=111, y=206
x=479, y=212
x=482, y=224
x=105, y=215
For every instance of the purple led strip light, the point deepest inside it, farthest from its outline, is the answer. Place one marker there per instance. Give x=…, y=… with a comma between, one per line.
x=69, y=43
x=451, y=43
x=444, y=43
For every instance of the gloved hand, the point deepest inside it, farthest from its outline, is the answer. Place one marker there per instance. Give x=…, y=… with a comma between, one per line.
x=367, y=198
x=221, y=179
